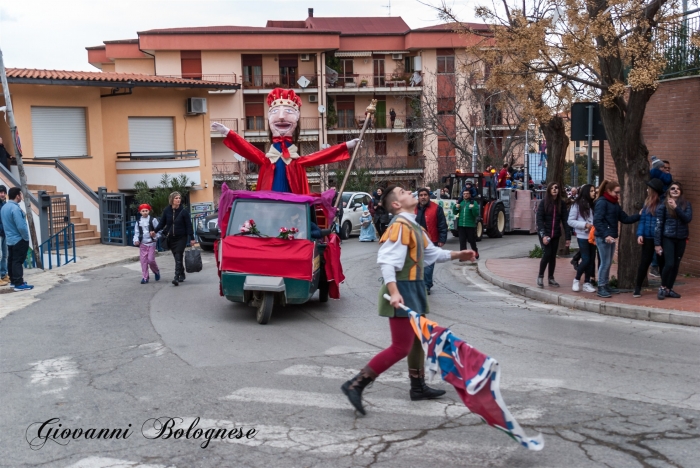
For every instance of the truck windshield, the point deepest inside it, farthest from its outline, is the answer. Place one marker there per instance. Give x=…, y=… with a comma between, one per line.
x=269, y=217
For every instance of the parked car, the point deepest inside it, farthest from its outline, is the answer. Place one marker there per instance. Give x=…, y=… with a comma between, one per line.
x=352, y=211
x=208, y=231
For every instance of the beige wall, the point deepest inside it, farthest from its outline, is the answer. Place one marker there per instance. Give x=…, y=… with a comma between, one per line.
x=145, y=66
x=168, y=62
x=108, y=67
x=270, y=66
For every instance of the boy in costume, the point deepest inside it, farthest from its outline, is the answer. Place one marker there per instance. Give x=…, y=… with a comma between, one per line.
x=146, y=243
x=405, y=250
x=367, y=230
x=282, y=169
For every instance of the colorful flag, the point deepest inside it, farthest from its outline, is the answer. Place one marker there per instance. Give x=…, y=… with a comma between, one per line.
x=475, y=376
x=18, y=142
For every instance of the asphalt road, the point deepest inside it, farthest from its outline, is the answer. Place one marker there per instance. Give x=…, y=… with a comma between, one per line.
x=103, y=351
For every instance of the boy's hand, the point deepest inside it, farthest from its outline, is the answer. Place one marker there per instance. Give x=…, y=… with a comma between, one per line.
x=396, y=299
x=464, y=255
x=137, y=243
x=153, y=234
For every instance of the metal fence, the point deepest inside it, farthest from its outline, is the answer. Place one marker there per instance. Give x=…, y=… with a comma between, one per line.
x=682, y=56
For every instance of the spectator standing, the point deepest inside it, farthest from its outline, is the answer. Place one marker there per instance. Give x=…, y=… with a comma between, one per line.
x=581, y=219
x=175, y=223
x=381, y=216
x=445, y=193
x=607, y=214
x=4, y=277
x=14, y=223
x=392, y=116
x=432, y=218
x=502, y=176
x=4, y=156
x=646, y=230
x=671, y=236
x=662, y=171
x=468, y=210
x=551, y=220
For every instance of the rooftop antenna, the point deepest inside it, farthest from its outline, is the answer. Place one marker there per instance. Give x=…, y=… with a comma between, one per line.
x=388, y=7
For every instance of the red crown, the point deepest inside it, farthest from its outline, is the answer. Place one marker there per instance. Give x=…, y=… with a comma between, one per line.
x=283, y=97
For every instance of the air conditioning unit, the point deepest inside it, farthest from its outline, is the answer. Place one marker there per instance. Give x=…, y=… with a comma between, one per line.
x=196, y=105
x=313, y=97
x=305, y=57
x=397, y=56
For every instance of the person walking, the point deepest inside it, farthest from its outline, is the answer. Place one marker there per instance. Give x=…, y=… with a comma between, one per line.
x=551, y=221
x=645, y=232
x=146, y=243
x=431, y=217
x=581, y=219
x=671, y=236
x=4, y=277
x=468, y=210
x=14, y=223
x=381, y=216
x=176, y=225
x=607, y=214
x=404, y=253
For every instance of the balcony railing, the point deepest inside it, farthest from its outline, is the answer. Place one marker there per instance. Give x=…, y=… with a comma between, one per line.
x=682, y=56
x=230, y=123
x=379, y=81
x=156, y=155
x=378, y=122
x=310, y=123
x=258, y=124
x=278, y=81
x=226, y=78
x=224, y=169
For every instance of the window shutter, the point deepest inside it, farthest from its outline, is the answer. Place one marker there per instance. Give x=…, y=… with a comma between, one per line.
x=191, y=64
x=59, y=131
x=147, y=134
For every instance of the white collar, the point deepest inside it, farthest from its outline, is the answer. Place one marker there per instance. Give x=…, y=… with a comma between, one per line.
x=273, y=154
x=409, y=216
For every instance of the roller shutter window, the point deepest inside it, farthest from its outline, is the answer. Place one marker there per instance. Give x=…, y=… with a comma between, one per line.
x=59, y=132
x=191, y=64
x=151, y=134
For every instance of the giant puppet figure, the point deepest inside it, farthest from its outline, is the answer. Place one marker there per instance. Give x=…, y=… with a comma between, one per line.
x=282, y=169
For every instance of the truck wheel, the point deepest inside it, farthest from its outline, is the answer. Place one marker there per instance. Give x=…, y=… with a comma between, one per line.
x=479, y=230
x=265, y=308
x=323, y=287
x=498, y=222
x=345, y=230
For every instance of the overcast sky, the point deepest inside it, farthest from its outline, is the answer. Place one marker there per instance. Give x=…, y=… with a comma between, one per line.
x=53, y=34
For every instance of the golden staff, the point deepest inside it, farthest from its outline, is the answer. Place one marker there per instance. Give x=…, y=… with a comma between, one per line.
x=371, y=109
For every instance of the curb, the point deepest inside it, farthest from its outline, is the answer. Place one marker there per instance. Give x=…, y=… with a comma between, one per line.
x=591, y=305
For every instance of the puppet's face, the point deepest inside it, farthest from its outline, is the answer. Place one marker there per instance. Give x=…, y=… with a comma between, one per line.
x=283, y=120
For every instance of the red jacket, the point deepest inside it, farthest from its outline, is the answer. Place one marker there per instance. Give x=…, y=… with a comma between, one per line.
x=434, y=222
x=502, y=176
x=296, y=170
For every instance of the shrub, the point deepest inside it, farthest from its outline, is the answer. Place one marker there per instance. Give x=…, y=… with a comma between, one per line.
x=536, y=252
x=157, y=197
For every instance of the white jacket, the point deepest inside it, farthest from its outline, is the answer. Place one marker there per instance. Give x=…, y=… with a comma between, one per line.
x=578, y=222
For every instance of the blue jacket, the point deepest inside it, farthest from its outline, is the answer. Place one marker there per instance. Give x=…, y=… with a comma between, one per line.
x=607, y=215
x=647, y=224
x=2, y=232
x=664, y=177
x=14, y=222
x=673, y=228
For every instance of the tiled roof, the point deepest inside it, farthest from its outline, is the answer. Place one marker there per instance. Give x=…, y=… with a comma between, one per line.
x=123, y=41
x=235, y=30
x=454, y=27
x=29, y=75
x=360, y=25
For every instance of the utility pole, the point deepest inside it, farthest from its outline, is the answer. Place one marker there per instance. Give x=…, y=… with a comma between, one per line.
x=20, y=165
x=590, y=142
x=475, y=152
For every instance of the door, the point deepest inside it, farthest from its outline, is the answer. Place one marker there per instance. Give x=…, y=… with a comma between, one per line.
x=380, y=116
x=379, y=77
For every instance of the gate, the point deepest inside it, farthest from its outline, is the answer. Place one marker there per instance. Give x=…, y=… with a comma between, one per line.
x=112, y=217
x=55, y=215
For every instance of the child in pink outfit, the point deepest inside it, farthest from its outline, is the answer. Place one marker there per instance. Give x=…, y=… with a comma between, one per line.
x=147, y=244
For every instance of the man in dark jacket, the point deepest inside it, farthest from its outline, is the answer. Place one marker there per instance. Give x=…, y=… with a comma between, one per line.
x=4, y=277
x=4, y=156
x=432, y=218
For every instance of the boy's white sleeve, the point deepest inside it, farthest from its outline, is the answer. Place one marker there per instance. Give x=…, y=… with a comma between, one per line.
x=136, y=231
x=435, y=254
x=391, y=257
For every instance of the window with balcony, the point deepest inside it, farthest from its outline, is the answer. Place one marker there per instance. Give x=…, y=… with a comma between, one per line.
x=380, y=144
x=379, y=76
x=346, y=111
x=288, y=70
x=346, y=71
x=252, y=70
x=152, y=135
x=191, y=64
x=254, y=113
x=445, y=61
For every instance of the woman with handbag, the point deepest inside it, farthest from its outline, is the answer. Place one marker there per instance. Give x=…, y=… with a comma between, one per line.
x=671, y=236
x=581, y=219
x=176, y=226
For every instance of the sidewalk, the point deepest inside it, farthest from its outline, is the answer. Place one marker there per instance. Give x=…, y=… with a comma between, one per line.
x=90, y=257
x=519, y=275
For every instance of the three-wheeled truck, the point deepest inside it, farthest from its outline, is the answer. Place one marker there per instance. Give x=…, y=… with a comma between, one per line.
x=502, y=210
x=259, y=268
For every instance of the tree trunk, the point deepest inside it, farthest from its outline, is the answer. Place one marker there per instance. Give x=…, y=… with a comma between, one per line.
x=630, y=156
x=557, y=144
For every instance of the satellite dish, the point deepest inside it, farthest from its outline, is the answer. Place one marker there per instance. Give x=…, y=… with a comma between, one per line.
x=321, y=109
x=303, y=82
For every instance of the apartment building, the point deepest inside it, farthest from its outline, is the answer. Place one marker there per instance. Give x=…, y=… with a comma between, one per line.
x=337, y=65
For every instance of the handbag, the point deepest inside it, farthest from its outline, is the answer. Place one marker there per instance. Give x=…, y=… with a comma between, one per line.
x=193, y=261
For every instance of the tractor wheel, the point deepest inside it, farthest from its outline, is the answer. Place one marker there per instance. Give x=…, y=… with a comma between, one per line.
x=479, y=230
x=497, y=221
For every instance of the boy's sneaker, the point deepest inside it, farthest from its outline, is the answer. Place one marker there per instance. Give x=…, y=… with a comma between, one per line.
x=637, y=293
x=603, y=292
x=654, y=271
x=24, y=287
x=589, y=288
x=158, y=276
x=144, y=281
x=576, y=286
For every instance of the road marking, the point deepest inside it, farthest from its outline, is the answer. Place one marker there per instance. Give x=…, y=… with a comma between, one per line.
x=359, y=442
x=54, y=371
x=434, y=408
x=102, y=462
x=342, y=373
